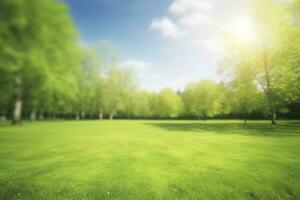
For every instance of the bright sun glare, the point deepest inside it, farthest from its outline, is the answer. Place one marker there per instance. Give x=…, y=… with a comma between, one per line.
x=243, y=30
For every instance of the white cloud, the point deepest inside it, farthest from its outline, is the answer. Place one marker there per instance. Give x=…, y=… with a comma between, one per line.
x=167, y=27
x=199, y=27
x=188, y=20
x=194, y=23
x=193, y=20
x=182, y=7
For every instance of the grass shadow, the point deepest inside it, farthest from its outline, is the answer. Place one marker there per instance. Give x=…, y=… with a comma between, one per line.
x=284, y=129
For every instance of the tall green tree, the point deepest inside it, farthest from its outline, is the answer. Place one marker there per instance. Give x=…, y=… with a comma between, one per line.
x=89, y=84
x=37, y=43
x=119, y=84
x=271, y=55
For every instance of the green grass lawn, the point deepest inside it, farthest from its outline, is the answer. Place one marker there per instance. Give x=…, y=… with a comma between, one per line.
x=150, y=160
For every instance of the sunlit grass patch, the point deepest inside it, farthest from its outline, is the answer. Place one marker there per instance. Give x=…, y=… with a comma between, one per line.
x=150, y=160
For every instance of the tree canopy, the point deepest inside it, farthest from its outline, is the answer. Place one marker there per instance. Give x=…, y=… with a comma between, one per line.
x=47, y=72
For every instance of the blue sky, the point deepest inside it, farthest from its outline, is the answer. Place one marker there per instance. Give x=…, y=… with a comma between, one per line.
x=168, y=42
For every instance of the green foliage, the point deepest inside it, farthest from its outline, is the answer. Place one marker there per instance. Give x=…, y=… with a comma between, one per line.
x=119, y=86
x=202, y=99
x=272, y=62
x=142, y=105
x=40, y=49
x=166, y=104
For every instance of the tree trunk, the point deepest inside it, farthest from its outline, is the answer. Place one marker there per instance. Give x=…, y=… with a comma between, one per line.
x=77, y=117
x=272, y=108
x=17, y=112
x=33, y=115
x=111, y=116
x=269, y=90
x=100, y=115
x=274, y=122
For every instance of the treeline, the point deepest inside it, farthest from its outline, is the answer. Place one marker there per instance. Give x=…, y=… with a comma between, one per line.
x=46, y=73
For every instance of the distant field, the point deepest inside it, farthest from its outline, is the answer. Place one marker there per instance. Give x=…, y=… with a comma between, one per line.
x=150, y=160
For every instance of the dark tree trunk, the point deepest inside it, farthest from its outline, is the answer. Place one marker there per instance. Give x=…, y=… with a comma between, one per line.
x=274, y=118
x=269, y=90
x=17, y=112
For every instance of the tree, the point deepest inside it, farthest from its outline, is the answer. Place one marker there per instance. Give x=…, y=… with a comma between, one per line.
x=267, y=56
x=89, y=84
x=242, y=87
x=5, y=93
x=141, y=104
x=35, y=47
x=246, y=96
x=166, y=104
x=226, y=100
x=119, y=84
x=202, y=99
x=275, y=57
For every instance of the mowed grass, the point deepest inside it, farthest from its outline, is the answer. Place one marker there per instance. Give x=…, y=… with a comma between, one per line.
x=150, y=160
